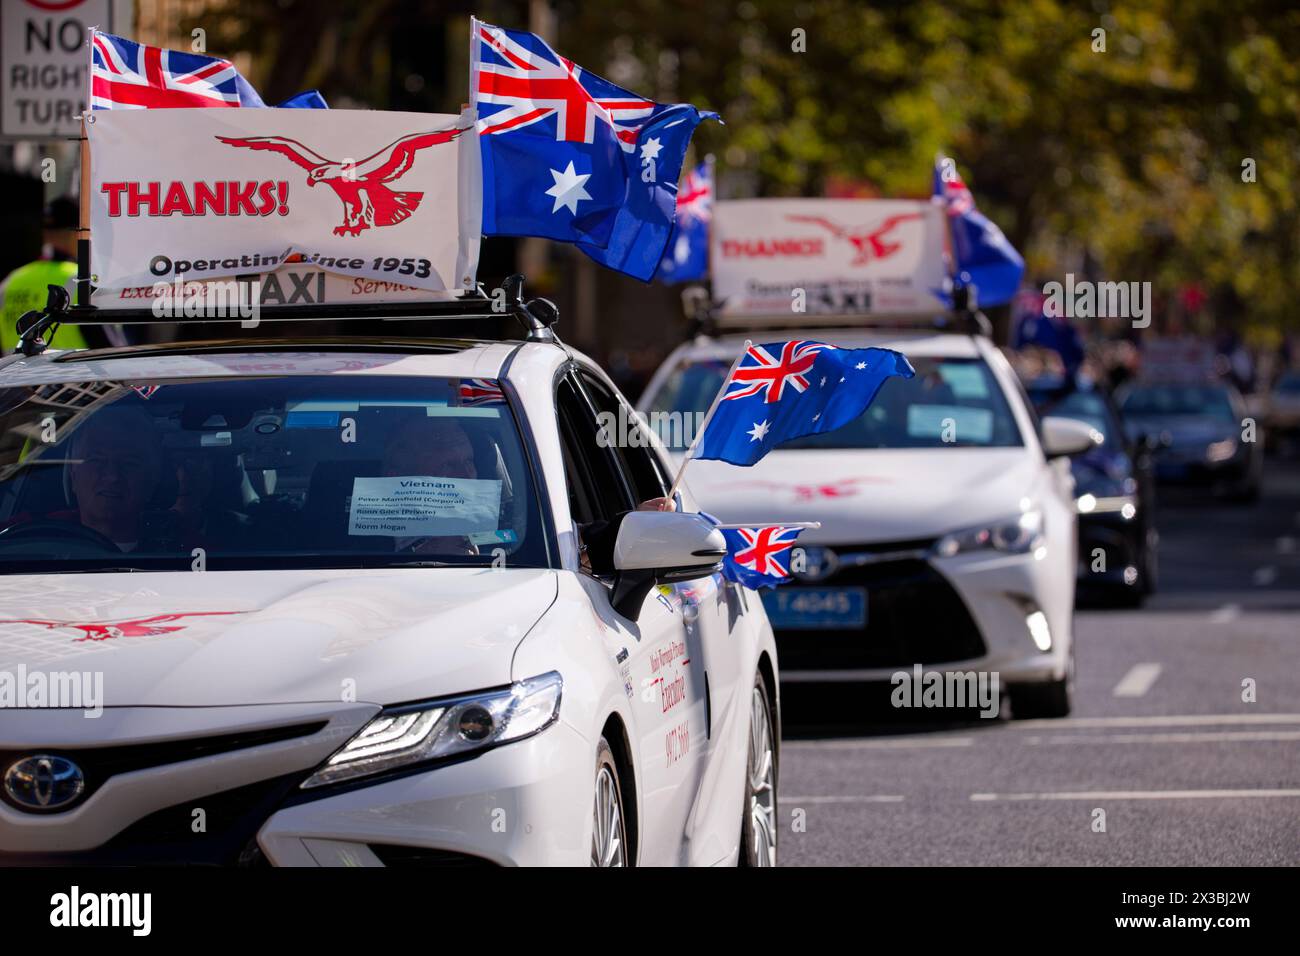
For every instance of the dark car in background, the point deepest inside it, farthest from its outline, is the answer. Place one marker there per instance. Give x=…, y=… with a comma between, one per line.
x=1198, y=435
x=1282, y=412
x=1114, y=496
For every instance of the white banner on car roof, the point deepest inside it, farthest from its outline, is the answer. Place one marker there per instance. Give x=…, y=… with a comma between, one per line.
x=296, y=284
x=369, y=204
x=796, y=259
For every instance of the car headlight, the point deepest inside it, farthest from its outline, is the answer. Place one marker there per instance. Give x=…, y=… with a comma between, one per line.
x=1019, y=535
x=1221, y=450
x=417, y=733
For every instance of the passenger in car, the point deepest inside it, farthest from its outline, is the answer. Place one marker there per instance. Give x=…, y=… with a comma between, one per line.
x=440, y=448
x=431, y=448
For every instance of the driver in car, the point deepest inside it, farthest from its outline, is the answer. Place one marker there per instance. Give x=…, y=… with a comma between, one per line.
x=117, y=462
x=114, y=466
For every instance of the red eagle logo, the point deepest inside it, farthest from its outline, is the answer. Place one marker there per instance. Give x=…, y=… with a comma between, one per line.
x=140, y=627
x=367, y=201
x=868, y=241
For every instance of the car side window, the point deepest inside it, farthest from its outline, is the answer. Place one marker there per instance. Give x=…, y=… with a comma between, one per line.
x=598, y=490
x=628, y=438
x=1030, y=409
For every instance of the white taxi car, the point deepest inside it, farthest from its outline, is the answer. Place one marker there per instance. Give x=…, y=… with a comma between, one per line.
x=948, y=529
x=381, y=602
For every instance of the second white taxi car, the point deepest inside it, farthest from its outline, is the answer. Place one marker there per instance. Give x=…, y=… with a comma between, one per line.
x=948, y=528
x=382, y=602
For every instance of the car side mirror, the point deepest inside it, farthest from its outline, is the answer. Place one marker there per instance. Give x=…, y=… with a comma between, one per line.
x=660, y=547
x=1064, y=437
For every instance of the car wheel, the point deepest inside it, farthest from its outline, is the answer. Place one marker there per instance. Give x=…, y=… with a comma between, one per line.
x=758, y=831
x=609, y=829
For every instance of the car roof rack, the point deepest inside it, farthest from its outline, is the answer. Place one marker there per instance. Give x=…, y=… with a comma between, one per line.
x=536, y=316
x=964, y=316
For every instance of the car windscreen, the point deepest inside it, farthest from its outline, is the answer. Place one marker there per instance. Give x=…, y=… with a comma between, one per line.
x=950, y=402
x=1085, y=406
x=267, y=472
x=1180, y=400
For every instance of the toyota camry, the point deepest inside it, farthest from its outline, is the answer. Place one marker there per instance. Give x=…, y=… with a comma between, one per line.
x=376, y=602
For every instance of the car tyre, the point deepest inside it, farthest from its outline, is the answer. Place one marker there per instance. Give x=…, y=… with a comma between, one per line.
x=759, y=827
x=609, y=823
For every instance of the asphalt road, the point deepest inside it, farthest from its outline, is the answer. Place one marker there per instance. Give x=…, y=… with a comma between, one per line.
x=1185, y=772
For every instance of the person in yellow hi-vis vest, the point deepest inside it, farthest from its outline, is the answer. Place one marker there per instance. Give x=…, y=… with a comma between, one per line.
x=27, y=287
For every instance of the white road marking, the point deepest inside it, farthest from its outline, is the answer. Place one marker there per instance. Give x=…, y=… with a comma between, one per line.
x=1204, y=737
x=877, y=743
x=851, y=798
x=1136, y=795
x=1137, y=681
x=1226, y=614
x=1177, y=720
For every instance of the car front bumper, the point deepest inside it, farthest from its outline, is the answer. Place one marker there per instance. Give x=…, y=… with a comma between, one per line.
x=525, y=802
x=969, y=612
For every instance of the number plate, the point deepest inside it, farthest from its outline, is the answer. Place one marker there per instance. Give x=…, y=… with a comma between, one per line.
x=830, y=608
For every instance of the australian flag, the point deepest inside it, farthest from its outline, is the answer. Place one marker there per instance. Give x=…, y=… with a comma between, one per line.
x=789, y=389
x=572, y=157
x=687, y=257
x=984, y=256
x=134, y=76
x=758, y=557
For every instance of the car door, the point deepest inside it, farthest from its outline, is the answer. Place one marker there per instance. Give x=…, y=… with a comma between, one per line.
x=658, y=653
x=710, y=610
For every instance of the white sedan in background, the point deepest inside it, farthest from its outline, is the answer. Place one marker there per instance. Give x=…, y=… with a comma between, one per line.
x=389, y=603
x=948, y=529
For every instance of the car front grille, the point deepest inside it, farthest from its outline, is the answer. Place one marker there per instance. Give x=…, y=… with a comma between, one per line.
x=914, y=616
x=222, y=834
x=98, y=764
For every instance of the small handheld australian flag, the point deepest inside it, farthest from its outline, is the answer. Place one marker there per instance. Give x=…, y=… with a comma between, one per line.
x=758, y=557
x=785, y=390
